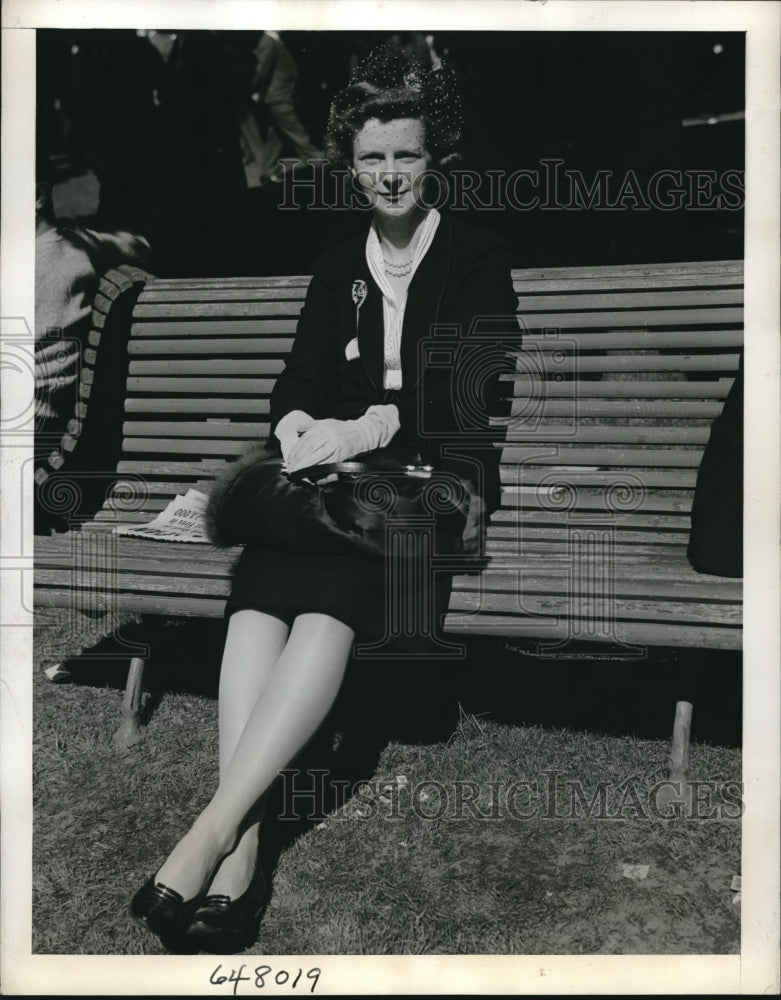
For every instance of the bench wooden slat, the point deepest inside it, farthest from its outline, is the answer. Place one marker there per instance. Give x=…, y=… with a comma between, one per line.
x=604, y=283
x=617, y=300
x=622, y=608
x=648, y=339
x=158, y=295
x=621, y=408
x=581, y=364
x=546, y=498
x=626, y=273
x=557, y=551
x=113, y=510
x=607, y=457
x=49, y=547
x=661, y=562
x=160, y=488
x=218, y=584
x=172, y=467
x=208, y=345
x=145, y=604
x=256, y=405
x=511, y=476
x=619, y=388
x=183, y=446
x=202, y=310
x=250, y=281
x=213, y=327
x=514, y=519
x=539, y=578
x=635, y=318
x=259, y=386
x=506, y=538
x=607, y=434
x=213, y=366
x=189, y=428
x=57, y=551
x=633, y=633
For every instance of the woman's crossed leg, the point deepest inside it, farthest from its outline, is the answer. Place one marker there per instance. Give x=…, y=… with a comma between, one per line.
x=276, y=687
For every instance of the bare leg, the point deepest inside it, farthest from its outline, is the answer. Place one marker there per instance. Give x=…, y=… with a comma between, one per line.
x=296, y=698
x=253, y=645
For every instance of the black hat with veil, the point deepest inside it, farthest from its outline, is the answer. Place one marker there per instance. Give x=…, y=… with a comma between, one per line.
x=388, y=84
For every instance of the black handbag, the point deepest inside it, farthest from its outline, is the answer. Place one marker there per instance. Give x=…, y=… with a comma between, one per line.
x=383, y=494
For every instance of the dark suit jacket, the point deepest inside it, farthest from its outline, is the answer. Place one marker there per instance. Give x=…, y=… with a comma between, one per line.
x=459, y=322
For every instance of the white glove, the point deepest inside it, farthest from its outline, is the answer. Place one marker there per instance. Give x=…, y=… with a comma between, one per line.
x=330, y=441
x=290, y=428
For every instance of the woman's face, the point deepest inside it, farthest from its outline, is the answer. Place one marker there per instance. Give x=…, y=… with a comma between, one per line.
x=389, y=161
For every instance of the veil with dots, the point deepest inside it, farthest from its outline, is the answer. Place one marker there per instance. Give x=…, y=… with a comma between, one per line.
x=388, y=84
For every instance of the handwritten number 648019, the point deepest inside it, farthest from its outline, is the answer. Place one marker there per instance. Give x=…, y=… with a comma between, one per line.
x=265, y=975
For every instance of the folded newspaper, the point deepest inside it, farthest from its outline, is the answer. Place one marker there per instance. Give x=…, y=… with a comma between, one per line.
x=181, y=521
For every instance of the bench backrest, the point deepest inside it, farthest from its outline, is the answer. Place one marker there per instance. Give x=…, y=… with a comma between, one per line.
x=622, y=371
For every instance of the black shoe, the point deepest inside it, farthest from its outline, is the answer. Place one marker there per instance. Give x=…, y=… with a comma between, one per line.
x=162, y=910
x=221, y=923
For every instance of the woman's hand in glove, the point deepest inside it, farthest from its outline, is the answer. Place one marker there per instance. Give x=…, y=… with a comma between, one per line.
x=325, y=443
x=289, y=430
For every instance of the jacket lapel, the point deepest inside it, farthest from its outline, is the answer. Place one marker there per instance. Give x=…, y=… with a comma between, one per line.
x=370, y=326
x=423, y=300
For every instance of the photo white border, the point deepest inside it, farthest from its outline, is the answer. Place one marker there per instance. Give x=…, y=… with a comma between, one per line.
x=756, y=969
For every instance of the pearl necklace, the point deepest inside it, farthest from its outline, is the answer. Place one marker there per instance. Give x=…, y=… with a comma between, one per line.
x=398, y=270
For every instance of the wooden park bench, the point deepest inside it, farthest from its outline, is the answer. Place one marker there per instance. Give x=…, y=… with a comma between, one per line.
x=621, y=373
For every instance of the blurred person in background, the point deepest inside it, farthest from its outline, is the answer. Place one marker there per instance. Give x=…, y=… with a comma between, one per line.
x=271, y=126
x=69, y=262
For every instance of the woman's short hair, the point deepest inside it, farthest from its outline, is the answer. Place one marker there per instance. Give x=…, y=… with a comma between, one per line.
x=388, y=85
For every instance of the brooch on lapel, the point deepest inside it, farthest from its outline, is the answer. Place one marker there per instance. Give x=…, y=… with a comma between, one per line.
x=359, y=294
x=359, y=291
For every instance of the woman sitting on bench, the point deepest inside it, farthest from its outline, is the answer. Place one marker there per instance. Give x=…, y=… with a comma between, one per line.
x=350, y=386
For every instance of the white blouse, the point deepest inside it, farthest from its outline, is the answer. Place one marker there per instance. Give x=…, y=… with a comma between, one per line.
x=393, y=308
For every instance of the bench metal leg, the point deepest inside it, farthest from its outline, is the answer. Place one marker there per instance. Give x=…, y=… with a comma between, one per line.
x=129, y=731
x=675, y=794
x=679, y=758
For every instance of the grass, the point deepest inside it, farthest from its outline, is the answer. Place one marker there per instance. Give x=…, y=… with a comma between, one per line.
x=371, y=875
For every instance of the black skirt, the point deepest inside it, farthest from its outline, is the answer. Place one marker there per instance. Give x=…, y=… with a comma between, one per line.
x=398, y=608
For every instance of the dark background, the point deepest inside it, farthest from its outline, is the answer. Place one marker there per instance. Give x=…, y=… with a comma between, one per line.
x=154, y=146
